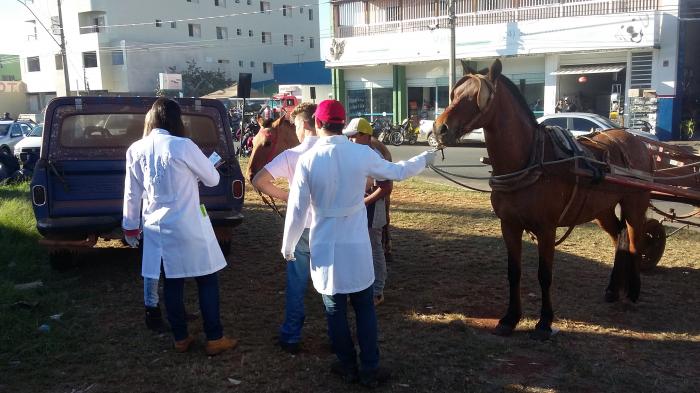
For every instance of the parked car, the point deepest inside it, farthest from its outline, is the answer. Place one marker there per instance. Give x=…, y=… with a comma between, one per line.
x=11, y=132
x=27, y=150
x=426, y=128
x=78, y=183
x=581, y=123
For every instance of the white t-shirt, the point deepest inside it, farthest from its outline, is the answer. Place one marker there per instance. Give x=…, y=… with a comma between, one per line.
x=285, y=163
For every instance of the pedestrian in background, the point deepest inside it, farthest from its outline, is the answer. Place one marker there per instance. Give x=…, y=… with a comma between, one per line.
x=163, y=170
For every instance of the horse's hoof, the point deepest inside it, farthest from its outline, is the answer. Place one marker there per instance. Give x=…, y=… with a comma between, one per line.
x=541, y=334
x=611, y=296
x=503, y=330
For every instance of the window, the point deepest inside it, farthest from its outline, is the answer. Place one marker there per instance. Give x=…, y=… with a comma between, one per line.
x=59, y=61
x=288, y=40
x=252, y=64
x=221, y=33
x=267, y=68
x=33, y=64
x=249, y=2
x=311, y=14
x=117, y=57
x=31, y=36
x=265, y=6
x=393, y=13
x=311, y=42
x=584, y=125
x=556, y=121
x=223, y=61
x=193, y=1
x=237, y=1
x=159, y=23
x=266, y=37
x=97, y=22
x=240, y=63
x=173, y=25
x=301, y=39
x=239, y=32
x=220, y=3
x=194, y=29
x=90, y=59
x=286, y=10
x=250, y=33
x=301, y=10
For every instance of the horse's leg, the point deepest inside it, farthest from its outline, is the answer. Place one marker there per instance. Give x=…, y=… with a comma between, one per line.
x=634, y=212
x=512, y=236
x=545, y=247
x=613, y=226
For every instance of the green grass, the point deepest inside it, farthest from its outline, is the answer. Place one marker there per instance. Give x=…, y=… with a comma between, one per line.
x=22, y=311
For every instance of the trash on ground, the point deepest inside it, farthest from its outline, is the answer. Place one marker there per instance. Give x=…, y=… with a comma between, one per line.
x=29, y=285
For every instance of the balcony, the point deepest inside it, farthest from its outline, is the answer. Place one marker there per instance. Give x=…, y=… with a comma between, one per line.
x=352, y=18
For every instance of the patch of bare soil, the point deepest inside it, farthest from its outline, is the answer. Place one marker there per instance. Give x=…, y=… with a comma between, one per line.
x=446, y=290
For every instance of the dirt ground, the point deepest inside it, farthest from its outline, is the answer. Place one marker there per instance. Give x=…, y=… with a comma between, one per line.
x=446, y=289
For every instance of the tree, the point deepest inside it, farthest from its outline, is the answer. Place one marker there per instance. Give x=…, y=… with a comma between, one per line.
x=197, y=82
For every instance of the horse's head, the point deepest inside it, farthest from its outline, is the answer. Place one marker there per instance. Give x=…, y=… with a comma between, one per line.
x=269, y=142
x=472, y=98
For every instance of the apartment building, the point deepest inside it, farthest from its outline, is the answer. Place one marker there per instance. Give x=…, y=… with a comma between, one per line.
x=390, y=57
x=120, y=47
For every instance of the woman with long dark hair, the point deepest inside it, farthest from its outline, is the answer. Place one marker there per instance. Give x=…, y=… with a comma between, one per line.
x=162, y=172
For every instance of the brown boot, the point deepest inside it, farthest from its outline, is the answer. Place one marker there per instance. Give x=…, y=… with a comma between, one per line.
x=215, y=347
x=184, y=345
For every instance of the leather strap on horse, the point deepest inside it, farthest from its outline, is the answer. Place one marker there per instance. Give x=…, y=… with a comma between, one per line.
x=271, y=203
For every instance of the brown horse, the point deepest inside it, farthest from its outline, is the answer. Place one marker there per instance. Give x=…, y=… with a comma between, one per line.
x=549, y=196
x=269, y=142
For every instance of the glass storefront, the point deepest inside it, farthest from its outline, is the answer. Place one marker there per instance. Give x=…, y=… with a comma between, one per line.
x=370, y=103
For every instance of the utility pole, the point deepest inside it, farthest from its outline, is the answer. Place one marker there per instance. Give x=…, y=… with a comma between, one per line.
x=452, y=19
x=64, y=58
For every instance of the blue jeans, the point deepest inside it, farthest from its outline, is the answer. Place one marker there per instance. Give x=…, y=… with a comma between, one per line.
x=297, y=281
x=150, y=292
x=208, y=286
x=339, y=331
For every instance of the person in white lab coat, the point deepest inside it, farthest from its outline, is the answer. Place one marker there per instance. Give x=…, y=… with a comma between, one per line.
x=341, y=254
x=162, y=173
x=283, y=166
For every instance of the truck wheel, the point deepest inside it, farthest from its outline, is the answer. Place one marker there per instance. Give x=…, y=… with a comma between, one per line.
x=61, y=259
x=6, y=151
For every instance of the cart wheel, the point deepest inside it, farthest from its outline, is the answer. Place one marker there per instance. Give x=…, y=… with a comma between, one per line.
x=653, y=245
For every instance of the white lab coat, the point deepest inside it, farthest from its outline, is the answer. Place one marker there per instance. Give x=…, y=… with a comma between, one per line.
x=330, y=180
x=163, y=170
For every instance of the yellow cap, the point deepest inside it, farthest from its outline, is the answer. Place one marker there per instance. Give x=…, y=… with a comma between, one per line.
x=358, y=124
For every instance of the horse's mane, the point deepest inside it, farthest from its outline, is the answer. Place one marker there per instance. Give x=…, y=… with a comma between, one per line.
x=518, y=98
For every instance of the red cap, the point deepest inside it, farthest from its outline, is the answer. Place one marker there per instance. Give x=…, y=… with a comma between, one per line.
x=330, y=111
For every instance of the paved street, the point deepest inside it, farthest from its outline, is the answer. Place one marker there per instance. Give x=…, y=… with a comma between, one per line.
x=470, y=154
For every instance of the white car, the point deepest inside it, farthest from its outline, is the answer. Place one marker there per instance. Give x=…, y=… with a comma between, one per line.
x=426, y=128
x=30, y=145
x=11, y=132
x=582, y=123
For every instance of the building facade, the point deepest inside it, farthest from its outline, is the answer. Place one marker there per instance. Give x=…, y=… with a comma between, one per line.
x=611, y=57
x=120, y=47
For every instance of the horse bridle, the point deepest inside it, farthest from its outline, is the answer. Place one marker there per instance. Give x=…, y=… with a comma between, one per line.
x=489, y=100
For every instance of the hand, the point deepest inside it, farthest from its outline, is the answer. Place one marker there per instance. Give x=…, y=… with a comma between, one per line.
x=289, y=257
x=131, y=236
x=430, y=157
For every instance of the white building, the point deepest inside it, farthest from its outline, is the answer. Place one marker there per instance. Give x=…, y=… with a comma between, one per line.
x=120, y=47
x=391, y=56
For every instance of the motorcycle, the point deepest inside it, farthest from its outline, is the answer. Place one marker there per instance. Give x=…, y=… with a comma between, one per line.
x=408, y=132
x=251, y=129
x=382, y=130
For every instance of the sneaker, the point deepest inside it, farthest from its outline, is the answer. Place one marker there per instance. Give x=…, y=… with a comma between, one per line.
x=154, y=319
x=374, y=378
x=215, y=347
x=184, y=345
x=379, y=299
x=292, y=348
x=349, y=374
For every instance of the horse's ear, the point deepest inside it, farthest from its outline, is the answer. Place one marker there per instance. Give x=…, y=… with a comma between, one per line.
x=465, y=67
x=495, y=70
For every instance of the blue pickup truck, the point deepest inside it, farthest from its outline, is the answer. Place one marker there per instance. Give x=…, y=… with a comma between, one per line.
x=78, y=183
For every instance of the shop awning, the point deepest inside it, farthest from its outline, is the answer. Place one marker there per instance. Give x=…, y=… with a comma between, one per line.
x=589, y=69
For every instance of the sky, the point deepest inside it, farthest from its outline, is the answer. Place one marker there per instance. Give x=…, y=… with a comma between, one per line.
x=12, y=26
